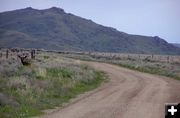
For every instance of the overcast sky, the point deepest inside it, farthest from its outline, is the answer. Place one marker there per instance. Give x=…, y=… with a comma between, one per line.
x=143, y=17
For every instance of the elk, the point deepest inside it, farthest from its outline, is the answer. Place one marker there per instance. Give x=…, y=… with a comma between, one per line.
x=24, y=59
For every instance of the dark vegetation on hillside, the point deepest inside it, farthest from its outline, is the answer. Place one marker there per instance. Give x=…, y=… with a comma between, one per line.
x=176, y=44
x=53, y=29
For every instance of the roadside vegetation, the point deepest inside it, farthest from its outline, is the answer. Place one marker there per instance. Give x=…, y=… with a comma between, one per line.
x=49, y=81
x=155, y=64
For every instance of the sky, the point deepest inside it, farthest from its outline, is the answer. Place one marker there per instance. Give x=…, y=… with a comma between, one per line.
x=143, y=17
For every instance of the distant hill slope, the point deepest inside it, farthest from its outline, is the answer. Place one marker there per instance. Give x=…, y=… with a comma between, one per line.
x=54, y=29
x=176, y=44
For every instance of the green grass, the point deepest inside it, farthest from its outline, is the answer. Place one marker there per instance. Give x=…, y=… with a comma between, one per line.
x=18, y=112
x=46, y=57
x=58, y=72
x=83, y=86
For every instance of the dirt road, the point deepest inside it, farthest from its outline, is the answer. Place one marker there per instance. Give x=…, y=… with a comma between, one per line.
x=129, y=94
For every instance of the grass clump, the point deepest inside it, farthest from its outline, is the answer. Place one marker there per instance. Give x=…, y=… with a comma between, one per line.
x=59, y=72
x=46, y=57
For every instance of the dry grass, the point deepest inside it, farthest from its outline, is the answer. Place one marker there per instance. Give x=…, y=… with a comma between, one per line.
x=167, y=65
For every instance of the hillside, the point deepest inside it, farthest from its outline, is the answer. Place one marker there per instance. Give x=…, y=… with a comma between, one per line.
x=54, y=29
x=176, y=44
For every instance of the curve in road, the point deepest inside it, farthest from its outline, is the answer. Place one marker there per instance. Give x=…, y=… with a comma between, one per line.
x=129, y=94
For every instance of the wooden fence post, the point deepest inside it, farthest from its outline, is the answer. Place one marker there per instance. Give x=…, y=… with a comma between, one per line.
x=152, y=56
x=168, y=59
x=33, y=54
x=139, y=56
x=7, y=53
x=0, y=55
